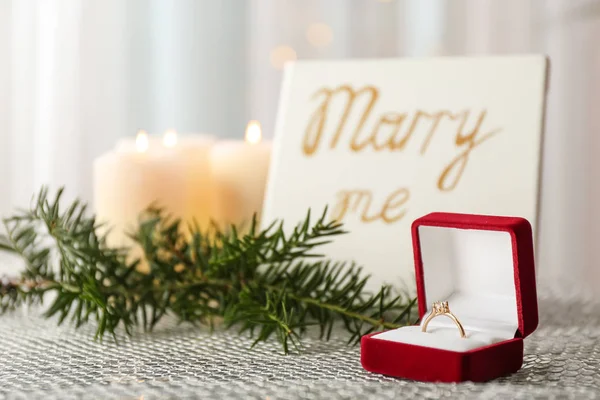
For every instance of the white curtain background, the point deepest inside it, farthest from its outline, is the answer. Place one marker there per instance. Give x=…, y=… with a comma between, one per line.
x=76, y=75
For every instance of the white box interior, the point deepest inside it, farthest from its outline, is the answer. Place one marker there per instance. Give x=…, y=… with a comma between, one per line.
x=473, y=270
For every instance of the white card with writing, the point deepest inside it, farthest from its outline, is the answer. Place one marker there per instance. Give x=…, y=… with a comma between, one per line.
x=383, y=142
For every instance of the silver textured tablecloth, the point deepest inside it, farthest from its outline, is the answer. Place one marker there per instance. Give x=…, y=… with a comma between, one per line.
x=40, y=360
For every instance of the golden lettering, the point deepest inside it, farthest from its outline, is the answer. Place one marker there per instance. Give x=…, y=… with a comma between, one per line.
x=460, y=161
x=392, y=203
x=317, y=124
x=349, y=199
x=389, y=119
x=396, y=143
x=387, y=134
x=360, y=201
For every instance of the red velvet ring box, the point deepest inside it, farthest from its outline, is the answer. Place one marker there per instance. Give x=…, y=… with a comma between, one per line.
x=483, y=266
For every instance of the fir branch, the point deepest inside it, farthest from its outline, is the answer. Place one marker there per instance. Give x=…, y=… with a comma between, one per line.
x=265, y=282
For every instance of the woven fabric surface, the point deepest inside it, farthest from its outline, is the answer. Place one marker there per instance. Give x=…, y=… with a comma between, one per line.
x=41, y=360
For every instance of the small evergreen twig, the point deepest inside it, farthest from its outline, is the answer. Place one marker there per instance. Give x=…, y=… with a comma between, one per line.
x=265, y=282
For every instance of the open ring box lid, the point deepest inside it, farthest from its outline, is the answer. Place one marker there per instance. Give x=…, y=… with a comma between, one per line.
x=484, y=267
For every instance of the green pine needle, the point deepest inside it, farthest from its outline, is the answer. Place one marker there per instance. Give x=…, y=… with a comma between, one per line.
x=266, y=283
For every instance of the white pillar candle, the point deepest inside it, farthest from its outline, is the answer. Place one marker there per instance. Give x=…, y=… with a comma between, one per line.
x=172, y=173
x=193, y=151
x=240, y=171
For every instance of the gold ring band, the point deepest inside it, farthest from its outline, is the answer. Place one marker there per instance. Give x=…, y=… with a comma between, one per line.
x=442, y=308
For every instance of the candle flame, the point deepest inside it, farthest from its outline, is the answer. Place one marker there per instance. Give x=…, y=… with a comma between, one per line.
x=253, y=132
x=170, y=138
x=141, y=141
